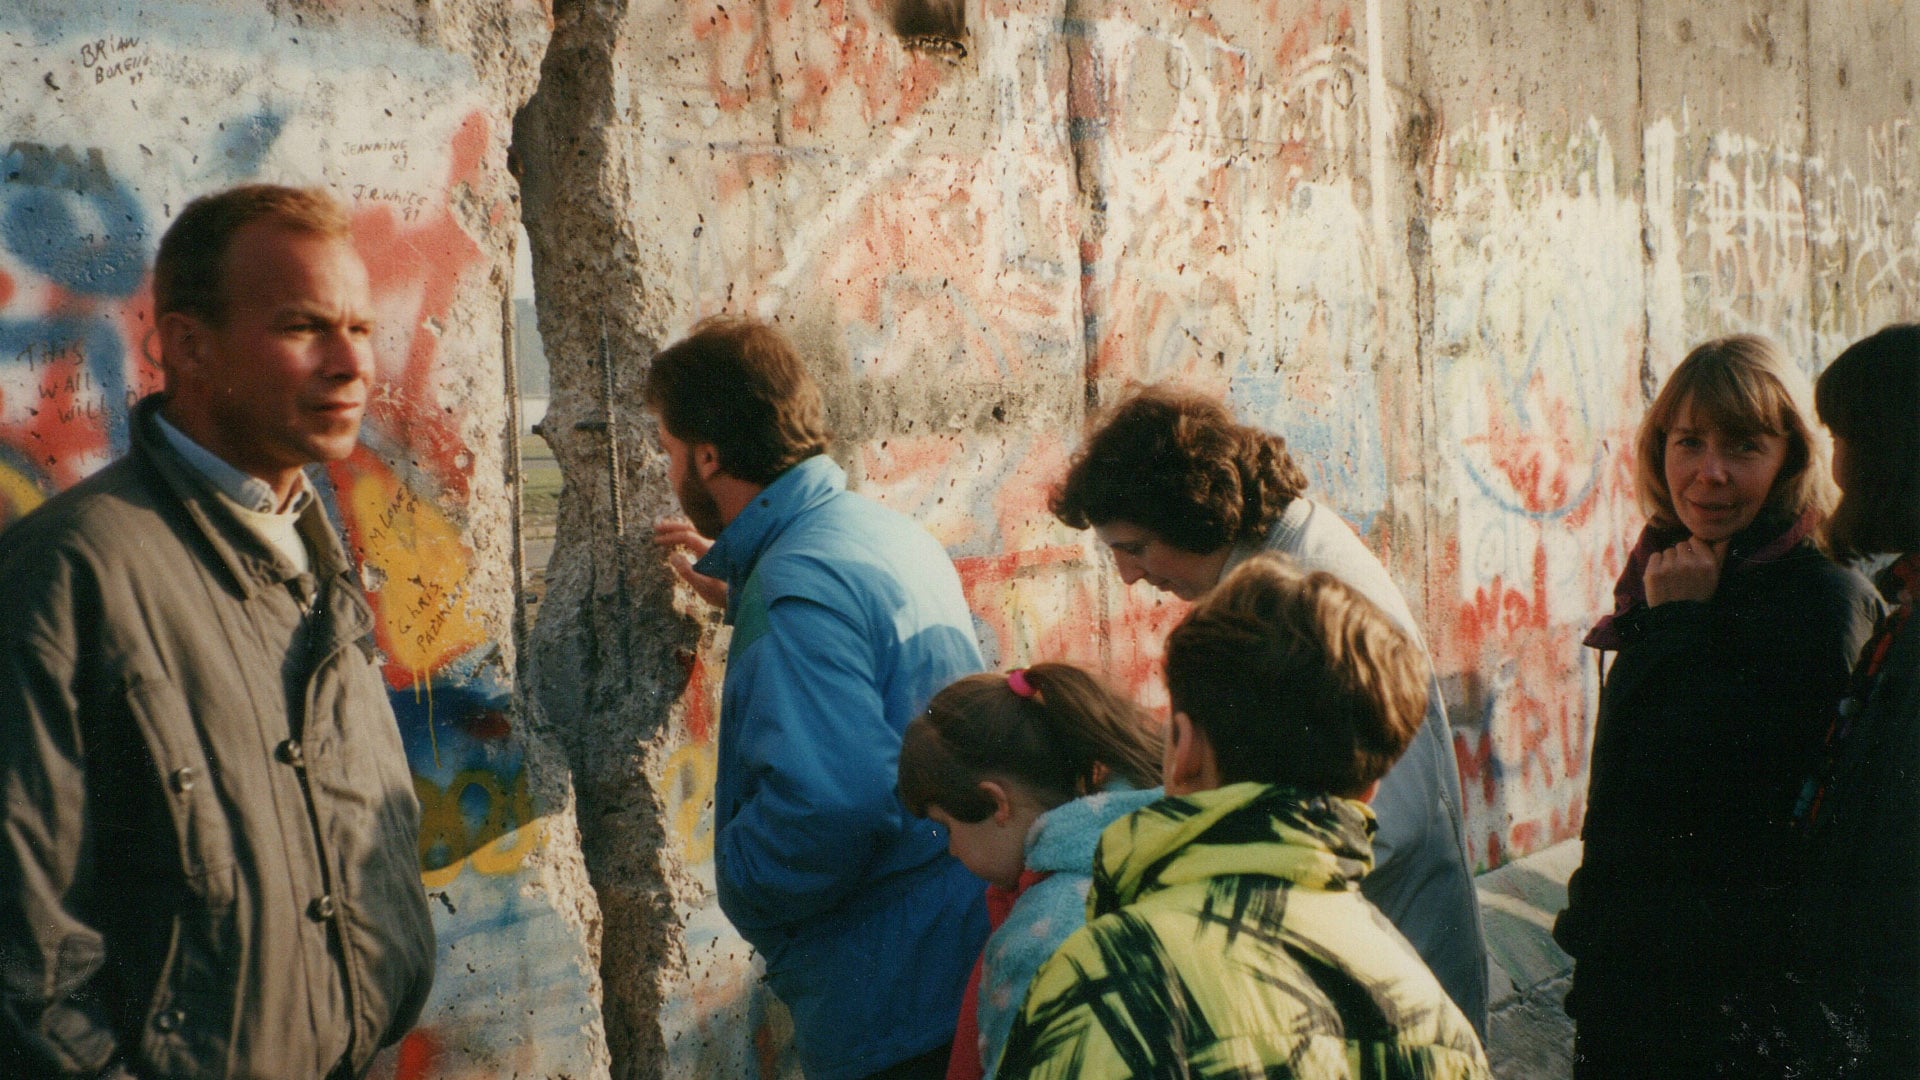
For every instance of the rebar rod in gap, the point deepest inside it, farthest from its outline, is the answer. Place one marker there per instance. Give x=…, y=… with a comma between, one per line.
x=613, y=436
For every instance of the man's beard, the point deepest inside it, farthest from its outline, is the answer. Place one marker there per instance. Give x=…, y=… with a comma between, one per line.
x=697, y=501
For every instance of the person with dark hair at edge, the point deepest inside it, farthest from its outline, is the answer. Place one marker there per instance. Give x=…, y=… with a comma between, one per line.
x=1227, y=936
x=1734, y=635
x=210, y=865
x=846, y=619
x=1180, y=494
x=1859, y=912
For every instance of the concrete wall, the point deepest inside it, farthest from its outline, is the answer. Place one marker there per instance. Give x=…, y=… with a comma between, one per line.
x=1447, y=247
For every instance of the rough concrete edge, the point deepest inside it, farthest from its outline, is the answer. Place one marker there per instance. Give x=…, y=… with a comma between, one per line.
x=607, y=651
x=506, y=43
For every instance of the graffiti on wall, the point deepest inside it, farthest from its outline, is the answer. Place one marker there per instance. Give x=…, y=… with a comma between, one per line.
x=928, y=259
x=1863, y=226
x=1753, y=236
x=720, y=1020
x=937, y=262
x=933, y=237
x=1538, y=342
x=86, y=185
x=1037, y=590
x=73, y=316
x=1127, y=196
x=1731, y=251
x=1230, y=237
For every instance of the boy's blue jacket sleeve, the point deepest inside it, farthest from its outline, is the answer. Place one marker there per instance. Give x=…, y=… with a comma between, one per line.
x=818, y=757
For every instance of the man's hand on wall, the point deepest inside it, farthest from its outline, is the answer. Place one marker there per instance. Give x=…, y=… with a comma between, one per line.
x=681, y=537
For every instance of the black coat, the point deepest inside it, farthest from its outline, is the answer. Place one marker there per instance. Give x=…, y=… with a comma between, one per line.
x=1860, y=937
x=1710, y=720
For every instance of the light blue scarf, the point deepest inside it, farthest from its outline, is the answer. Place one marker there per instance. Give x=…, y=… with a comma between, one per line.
x=1061, y=843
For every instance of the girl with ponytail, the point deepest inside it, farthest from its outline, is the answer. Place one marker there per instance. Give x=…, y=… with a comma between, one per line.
x=1024, y=770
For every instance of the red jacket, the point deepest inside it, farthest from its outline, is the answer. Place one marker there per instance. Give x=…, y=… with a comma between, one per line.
x=965, y=1064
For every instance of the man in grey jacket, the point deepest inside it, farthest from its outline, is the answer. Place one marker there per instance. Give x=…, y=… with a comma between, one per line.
x=209, y=864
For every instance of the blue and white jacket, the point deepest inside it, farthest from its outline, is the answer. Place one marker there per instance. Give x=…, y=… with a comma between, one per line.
x=847, y=618
x=1061, y=844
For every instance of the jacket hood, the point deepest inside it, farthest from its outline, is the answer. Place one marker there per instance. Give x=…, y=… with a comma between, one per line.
x=1064, y=838
x=1314, y=841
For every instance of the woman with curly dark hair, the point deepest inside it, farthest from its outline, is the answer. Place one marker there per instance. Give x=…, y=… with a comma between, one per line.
x=1860, y=905
x=1172, y=485
x=1181, y=493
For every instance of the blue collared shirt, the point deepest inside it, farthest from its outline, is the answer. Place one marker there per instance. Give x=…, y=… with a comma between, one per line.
x=250, y=492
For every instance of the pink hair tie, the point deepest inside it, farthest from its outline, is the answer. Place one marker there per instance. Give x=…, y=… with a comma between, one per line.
x=1017, y=682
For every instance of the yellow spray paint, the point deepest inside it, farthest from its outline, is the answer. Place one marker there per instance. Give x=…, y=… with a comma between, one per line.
x=423, y=679
x=512, y=832
x=424, y=616
x=688, y=781
x=18, y=495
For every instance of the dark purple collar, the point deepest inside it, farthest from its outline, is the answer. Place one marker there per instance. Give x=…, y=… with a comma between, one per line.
x=1769, y=537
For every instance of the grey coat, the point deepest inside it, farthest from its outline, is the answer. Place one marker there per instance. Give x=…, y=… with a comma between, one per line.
x=209, y=865
x=1421, y=880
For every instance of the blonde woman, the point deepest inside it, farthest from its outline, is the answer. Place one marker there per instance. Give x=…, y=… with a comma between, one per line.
x=1734, y=636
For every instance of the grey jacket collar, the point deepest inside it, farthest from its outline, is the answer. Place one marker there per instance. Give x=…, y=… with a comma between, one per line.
x=252, y=562
x=1283, y=535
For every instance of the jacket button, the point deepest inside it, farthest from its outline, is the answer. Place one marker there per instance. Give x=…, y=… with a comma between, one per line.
x=169, y=1020
x=182, y=779
x=290, y=753
x=321, y=909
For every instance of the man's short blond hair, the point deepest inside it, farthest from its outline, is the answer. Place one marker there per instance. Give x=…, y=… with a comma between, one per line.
x=189, y=274
x=1297, y=679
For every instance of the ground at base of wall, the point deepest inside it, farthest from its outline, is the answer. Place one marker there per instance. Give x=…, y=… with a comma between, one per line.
x=1528, y=1036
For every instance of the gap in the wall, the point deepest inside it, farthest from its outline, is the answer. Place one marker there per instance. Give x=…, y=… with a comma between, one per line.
x=539, y=472
x=937, y=26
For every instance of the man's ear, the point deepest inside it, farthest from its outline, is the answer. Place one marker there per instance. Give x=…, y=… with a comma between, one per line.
x=1188, y=764
x=706, y=459
x=1002, y=804
x=1367, y=793
x=183, y=340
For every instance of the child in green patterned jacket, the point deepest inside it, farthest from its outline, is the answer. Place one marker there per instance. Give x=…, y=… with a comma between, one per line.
x=1226, y=934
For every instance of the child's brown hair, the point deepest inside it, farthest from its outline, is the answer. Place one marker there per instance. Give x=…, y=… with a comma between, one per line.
x=1053, y=728
x=1297, y=679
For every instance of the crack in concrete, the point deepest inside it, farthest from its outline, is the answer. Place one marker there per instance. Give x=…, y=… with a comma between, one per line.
x=1086, y=124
